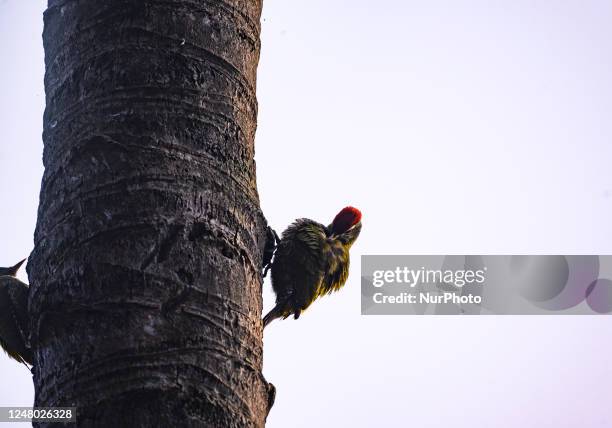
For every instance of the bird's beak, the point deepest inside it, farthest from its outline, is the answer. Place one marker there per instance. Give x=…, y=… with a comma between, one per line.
x=13, y=270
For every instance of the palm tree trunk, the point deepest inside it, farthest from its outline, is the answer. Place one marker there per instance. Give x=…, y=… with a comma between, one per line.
x=146, y=285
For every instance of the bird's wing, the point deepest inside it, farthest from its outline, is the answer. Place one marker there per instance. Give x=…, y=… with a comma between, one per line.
x=298, y=265
x=311, y=267
x=18, y=294
x=13, y=326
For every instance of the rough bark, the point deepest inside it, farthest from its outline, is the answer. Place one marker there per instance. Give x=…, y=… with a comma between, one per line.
x=146, y=286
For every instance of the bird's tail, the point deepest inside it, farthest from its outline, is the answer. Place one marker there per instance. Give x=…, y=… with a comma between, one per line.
x=276, y=312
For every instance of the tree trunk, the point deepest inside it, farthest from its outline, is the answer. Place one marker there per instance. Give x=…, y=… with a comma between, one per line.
x=146, y=285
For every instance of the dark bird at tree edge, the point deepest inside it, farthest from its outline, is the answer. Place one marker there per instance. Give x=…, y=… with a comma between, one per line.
x=14, y=320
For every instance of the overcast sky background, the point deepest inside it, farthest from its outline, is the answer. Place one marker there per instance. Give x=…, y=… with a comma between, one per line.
x=457, y=127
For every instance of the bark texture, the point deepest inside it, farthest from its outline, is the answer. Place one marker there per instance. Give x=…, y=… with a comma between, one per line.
x=145, y=277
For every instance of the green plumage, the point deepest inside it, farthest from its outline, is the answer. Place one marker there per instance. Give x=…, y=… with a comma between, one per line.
x=14, y=323
x=310, y=261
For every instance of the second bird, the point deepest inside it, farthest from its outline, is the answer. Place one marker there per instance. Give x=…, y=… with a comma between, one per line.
x=14, y=322
x=312, y=260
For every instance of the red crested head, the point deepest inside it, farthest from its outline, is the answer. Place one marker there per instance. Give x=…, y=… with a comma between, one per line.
x=346, y=219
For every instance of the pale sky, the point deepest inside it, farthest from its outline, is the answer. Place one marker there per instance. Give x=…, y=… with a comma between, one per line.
x=457, y=127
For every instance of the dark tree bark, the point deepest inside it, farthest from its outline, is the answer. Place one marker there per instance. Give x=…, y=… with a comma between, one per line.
x=146, y=285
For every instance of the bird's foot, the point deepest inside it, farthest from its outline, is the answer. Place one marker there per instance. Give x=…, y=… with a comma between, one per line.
x=272, y=240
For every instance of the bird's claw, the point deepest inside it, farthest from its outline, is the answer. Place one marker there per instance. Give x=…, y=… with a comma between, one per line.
x=272, y=240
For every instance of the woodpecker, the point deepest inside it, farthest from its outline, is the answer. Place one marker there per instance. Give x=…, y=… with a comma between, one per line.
x=311, y=260
x=14, y=323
